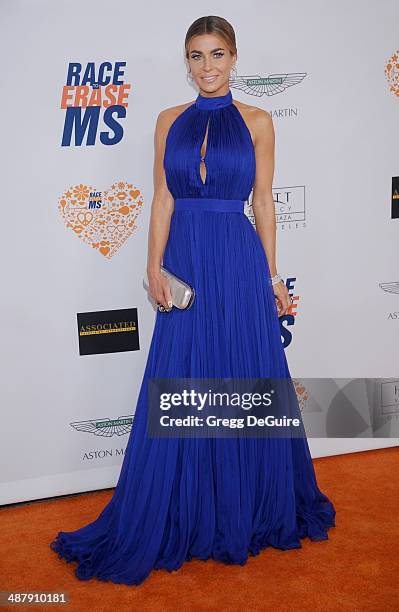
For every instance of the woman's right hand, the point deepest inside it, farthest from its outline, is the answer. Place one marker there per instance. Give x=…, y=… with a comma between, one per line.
x=159, y=290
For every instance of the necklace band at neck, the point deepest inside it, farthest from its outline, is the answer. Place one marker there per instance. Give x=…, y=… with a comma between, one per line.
x=211, y=102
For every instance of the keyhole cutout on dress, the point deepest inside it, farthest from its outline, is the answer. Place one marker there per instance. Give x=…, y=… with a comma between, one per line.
x=203, y=169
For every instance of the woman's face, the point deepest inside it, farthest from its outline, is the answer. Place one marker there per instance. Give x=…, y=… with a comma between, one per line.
x=210, y=62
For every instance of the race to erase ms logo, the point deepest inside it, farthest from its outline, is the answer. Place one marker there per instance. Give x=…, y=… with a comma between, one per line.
x=95, y=99
x=103, y=220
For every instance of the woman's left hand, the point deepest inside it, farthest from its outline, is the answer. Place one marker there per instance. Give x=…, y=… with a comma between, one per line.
x=283, y=299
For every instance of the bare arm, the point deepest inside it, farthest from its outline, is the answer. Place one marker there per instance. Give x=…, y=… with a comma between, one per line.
x=263, y=202
x=161, y=212
x=162, y=202
x=262, y=198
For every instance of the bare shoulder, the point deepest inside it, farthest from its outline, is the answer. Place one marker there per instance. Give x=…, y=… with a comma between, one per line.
x=168, y=115
x=259, y=121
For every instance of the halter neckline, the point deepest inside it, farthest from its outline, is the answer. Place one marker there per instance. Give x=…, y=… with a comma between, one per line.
x=209, y=103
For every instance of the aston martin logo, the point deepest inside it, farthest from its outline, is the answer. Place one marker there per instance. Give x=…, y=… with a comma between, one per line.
x=390, y=287
x=255, y=85
x=106, y=427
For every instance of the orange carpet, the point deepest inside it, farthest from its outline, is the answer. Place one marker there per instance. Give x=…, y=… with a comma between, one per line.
x=357, y=568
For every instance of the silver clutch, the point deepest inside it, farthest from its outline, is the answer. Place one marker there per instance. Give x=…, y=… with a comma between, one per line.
x=182, y=293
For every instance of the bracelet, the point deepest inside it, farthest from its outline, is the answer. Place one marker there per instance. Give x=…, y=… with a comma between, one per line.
x=276, y=279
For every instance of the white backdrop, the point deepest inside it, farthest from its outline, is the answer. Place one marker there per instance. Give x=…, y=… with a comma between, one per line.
x=336, y=153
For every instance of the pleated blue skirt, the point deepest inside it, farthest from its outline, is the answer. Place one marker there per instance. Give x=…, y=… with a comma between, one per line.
x=220, y=498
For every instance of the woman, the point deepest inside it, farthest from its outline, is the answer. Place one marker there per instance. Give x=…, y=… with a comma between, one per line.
x=208, y=497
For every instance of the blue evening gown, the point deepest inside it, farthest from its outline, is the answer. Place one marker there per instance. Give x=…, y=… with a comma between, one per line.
x=223, y=498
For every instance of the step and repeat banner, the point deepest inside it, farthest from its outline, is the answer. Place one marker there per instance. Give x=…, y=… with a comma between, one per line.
x=83, y=84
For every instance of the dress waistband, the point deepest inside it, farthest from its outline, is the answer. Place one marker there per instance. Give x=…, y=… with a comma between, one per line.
x=209, y=204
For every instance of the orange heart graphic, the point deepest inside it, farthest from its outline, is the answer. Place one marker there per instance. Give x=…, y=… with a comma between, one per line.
x=102, y=219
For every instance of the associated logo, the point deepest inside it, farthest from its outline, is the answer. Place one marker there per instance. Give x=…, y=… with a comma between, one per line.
x=391, y=71
x=255, y=85
x=105, y=428
x=95, y=99
x=102, y=219
x=108, y=331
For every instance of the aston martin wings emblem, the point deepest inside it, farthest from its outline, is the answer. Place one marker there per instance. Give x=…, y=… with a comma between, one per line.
x=271, y=85
x=390, y=287
x=105, y=427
